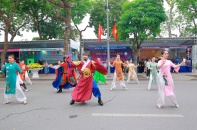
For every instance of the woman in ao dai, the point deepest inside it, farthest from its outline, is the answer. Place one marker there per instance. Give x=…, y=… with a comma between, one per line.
x=12, y=85
x=165, y=79
x=132, y=74
x=118, y=74
x=153, y=73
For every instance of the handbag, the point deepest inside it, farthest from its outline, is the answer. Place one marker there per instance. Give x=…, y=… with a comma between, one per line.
x=169, y=91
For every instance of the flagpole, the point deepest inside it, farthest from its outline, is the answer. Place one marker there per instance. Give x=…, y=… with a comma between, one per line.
x=108, y=49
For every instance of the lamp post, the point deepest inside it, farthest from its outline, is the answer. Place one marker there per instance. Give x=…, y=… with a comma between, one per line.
x=108, y=49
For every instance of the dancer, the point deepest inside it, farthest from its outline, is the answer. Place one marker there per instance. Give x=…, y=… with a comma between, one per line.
x=24, y=76
x=58, y=72
x=118, y=74
x=165, y=81
x=12, y=85
x=147, y=69
x=132, y=74
x=86, y=85
x=98, y=76
x=153, y=73
x=68, y=77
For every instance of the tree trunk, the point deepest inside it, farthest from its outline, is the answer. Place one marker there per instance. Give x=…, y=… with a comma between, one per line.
x=81, y=45
x=66, y=41
x=135, y=55
x=169, y=22
x=12, y=37
x=5, y=48
x=67, y=30
x=39, y=33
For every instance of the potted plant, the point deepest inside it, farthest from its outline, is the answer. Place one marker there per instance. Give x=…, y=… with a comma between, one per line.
x=35, y=67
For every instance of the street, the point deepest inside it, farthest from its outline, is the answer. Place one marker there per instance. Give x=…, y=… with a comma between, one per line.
x=132, y=109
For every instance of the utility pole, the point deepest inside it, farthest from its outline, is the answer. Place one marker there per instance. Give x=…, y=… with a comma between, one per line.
x=108, y=49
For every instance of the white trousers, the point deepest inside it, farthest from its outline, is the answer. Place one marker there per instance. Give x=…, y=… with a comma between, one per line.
x=134, y=76
x=161, y=92
x=20, y=96
x=27, y=78
x=121, y=82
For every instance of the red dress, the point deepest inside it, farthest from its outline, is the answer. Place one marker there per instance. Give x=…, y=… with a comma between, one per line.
x=83, y=89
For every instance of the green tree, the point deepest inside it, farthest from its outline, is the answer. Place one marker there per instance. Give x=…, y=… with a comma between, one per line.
x=188, y=9
x=176, y=21
x=168, y=25
x=12, y=20
x=41, y=19
x=78, y=12
x=98, y=14
x=67, y=10
x=63, y=12
x=140, y=21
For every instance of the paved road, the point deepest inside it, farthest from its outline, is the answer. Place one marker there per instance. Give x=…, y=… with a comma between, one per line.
x=134, y=109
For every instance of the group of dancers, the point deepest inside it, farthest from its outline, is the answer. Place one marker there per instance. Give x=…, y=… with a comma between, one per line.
x=90, y=72
x=85, y=85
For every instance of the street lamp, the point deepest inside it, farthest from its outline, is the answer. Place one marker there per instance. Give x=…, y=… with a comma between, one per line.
x=108, y=49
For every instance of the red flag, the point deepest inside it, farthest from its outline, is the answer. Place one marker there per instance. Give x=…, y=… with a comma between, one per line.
x=100, y=32
x=115, y=32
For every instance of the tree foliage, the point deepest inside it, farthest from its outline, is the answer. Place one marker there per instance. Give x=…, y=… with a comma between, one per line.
x=188, y=9
x=12, y=11
x=140, y=21
x=78, y=12
x=178, y=20
x=98, y=14
x=41, y=19
x=67, y=10
x=11, y=20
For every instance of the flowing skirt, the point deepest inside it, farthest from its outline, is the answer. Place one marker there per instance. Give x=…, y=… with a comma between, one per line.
x=20, y=96
x=83, y=89
x=161, y=91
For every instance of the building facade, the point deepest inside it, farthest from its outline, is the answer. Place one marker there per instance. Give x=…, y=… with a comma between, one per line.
x=178, y=48
x=49, y=50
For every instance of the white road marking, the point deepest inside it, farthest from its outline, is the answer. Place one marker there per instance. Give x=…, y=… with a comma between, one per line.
x=120, y=88
x=138, y=115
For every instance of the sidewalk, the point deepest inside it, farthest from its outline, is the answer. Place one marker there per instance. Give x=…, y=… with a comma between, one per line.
x=141, y=76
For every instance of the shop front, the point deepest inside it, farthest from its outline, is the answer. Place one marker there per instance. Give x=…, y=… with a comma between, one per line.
x=50, y=51
x=176, y=54
x=33, y=55
x=178, y=48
